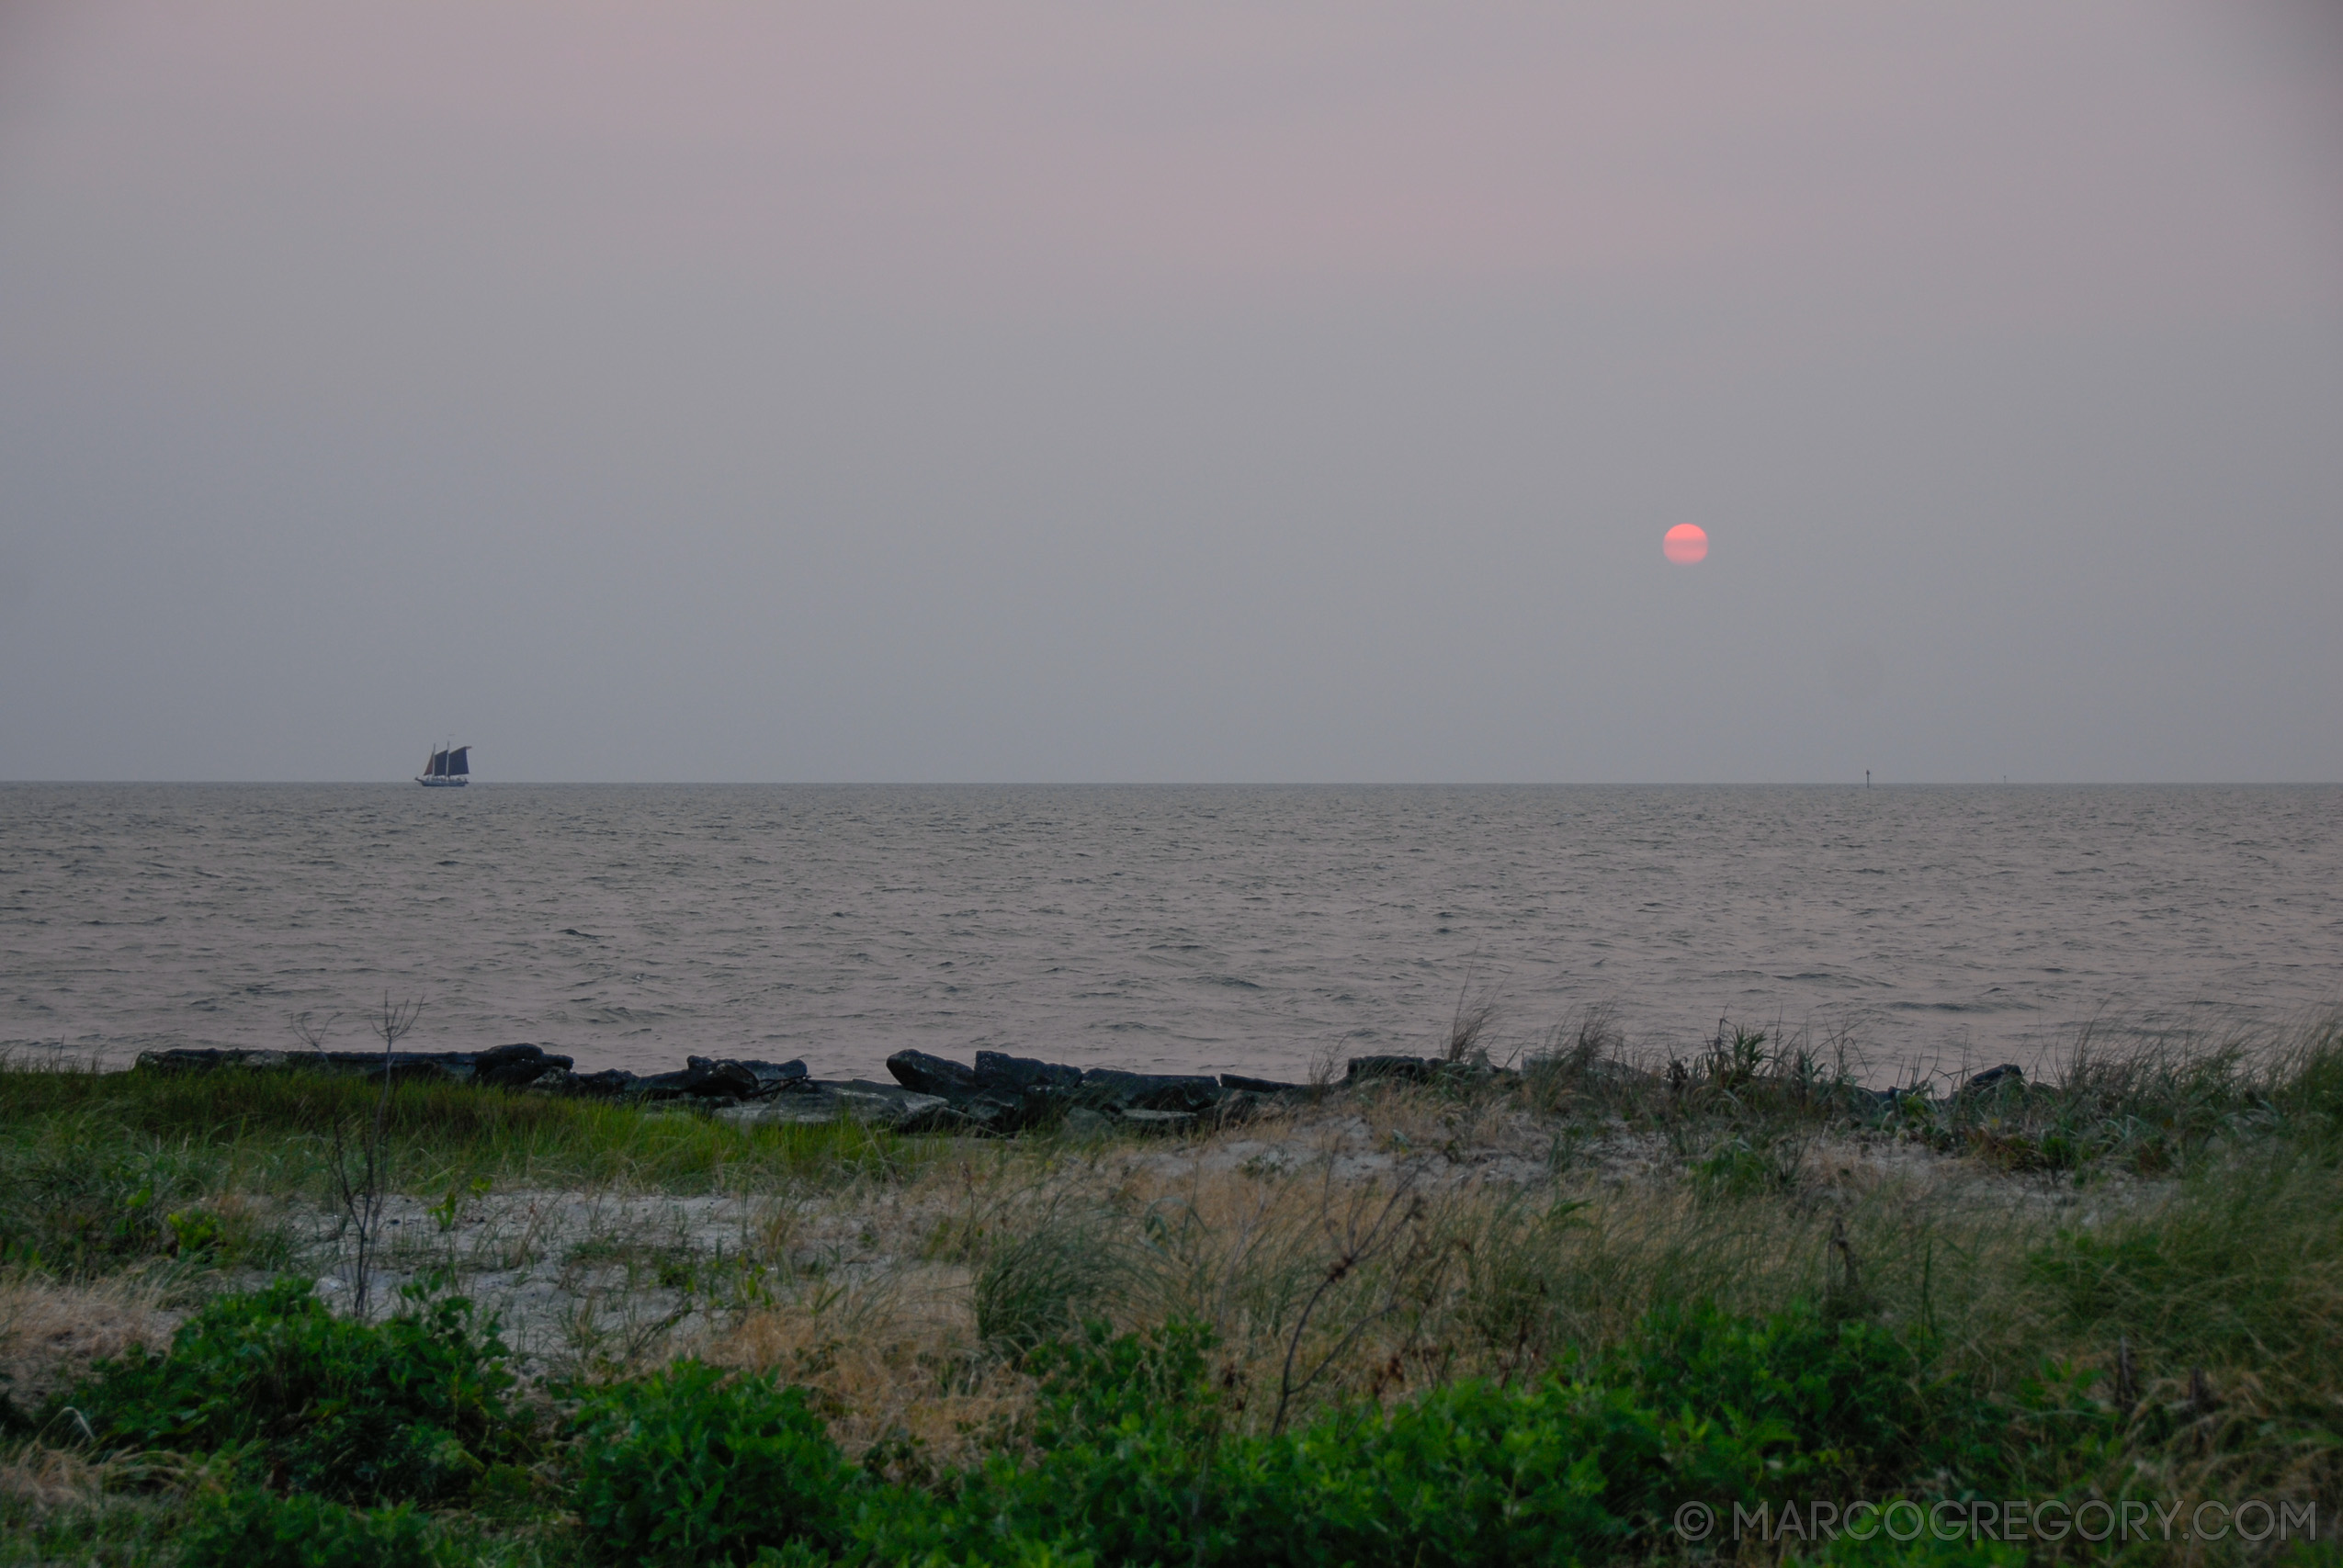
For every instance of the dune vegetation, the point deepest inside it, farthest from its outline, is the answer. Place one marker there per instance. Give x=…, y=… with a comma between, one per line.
x=1589, y=1310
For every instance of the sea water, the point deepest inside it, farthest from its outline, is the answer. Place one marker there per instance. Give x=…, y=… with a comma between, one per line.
x=1161, y=929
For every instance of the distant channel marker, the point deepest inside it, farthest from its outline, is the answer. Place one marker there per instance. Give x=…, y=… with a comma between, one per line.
x=1685, y=545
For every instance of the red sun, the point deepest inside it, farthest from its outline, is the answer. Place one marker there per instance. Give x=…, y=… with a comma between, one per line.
x=1685, y=545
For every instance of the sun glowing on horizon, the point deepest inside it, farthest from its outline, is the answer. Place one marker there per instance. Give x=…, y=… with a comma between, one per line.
x=1685, y=545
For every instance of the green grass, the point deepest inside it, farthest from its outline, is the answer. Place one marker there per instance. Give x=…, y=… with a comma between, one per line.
x=108, y=1168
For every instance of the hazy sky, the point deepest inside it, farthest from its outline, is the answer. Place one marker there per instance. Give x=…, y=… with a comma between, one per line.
x=1195, y=392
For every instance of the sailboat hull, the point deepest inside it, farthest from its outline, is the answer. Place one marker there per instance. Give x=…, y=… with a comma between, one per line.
x=442, y=783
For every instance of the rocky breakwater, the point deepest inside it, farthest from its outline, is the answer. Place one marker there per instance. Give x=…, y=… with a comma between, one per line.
x=1004, y=1094
x=703, y=1082
x=998, y=1095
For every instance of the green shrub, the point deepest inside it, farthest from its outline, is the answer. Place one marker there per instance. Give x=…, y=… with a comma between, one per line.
x=1883, y=1551
x=1133, y=1459
x=410, y=1407
x=253, y=1528
x=694, y=1465
x=1124, y=1432
x=1858, y=1400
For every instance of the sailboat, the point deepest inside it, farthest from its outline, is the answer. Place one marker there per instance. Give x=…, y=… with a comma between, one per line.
x=447, y=769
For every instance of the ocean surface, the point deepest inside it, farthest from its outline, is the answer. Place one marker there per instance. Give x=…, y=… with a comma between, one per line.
x=1172, y=928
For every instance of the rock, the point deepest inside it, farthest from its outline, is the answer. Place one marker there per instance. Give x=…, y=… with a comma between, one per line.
x=608, y=1084
x=1107, y=1088
x=191, y=1059
x=724, y=1079
x=887, y=1105
x=1001, y=1095
x=414, y=1066
x=923, y=1074
x=660, y=1085
x=1405, y=1069
x=982, y=1113
x=1994, y=1077
x=1018, y=1092
x=1020, y=1076
x=703, y=1078
x=516, y=1066
x=508, y=1067
x=810, y=1104
x=777, y=1077
x=877, y=1104
x=1158, y=1121
x=1261, y=1086
x=1081, y=1121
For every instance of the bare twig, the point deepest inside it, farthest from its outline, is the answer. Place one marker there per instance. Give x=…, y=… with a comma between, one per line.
x=1357, y=1247
x=313, y=1030
x=363, y=1198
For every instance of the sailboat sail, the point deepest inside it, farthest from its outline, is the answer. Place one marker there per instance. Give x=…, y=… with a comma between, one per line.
x=448, y=767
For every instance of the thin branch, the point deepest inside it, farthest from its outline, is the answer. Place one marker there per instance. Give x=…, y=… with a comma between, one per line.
x=1358, y=1249
x=364, y=1201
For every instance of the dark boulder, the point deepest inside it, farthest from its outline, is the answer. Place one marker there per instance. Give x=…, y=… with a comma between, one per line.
x=420, y=1066
x=720, y=1079
x=1994, y=1077
x=515, y=1067
x=1149, y=1091
x=891, y=1105
x=1261, y=1086
x=776, y=1078
x=504, y=1066
x=702, y=1078
x=923, y=1074
x=608, y=1084
x=1021, y=1076
x=203, y=1059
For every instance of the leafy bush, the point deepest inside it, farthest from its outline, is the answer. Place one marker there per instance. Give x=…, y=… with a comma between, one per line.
x=1132, y=1459
x=408, y=1408
x=253, y=1528
x=1124, y=1433
x=1853, y=1399
x=693, y=1465
x=1883, y=1551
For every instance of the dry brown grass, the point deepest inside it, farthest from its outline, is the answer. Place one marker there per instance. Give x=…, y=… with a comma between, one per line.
x=1354, y=1250
x=51, y=1331
x=895, y=1359
x=50, y=1478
